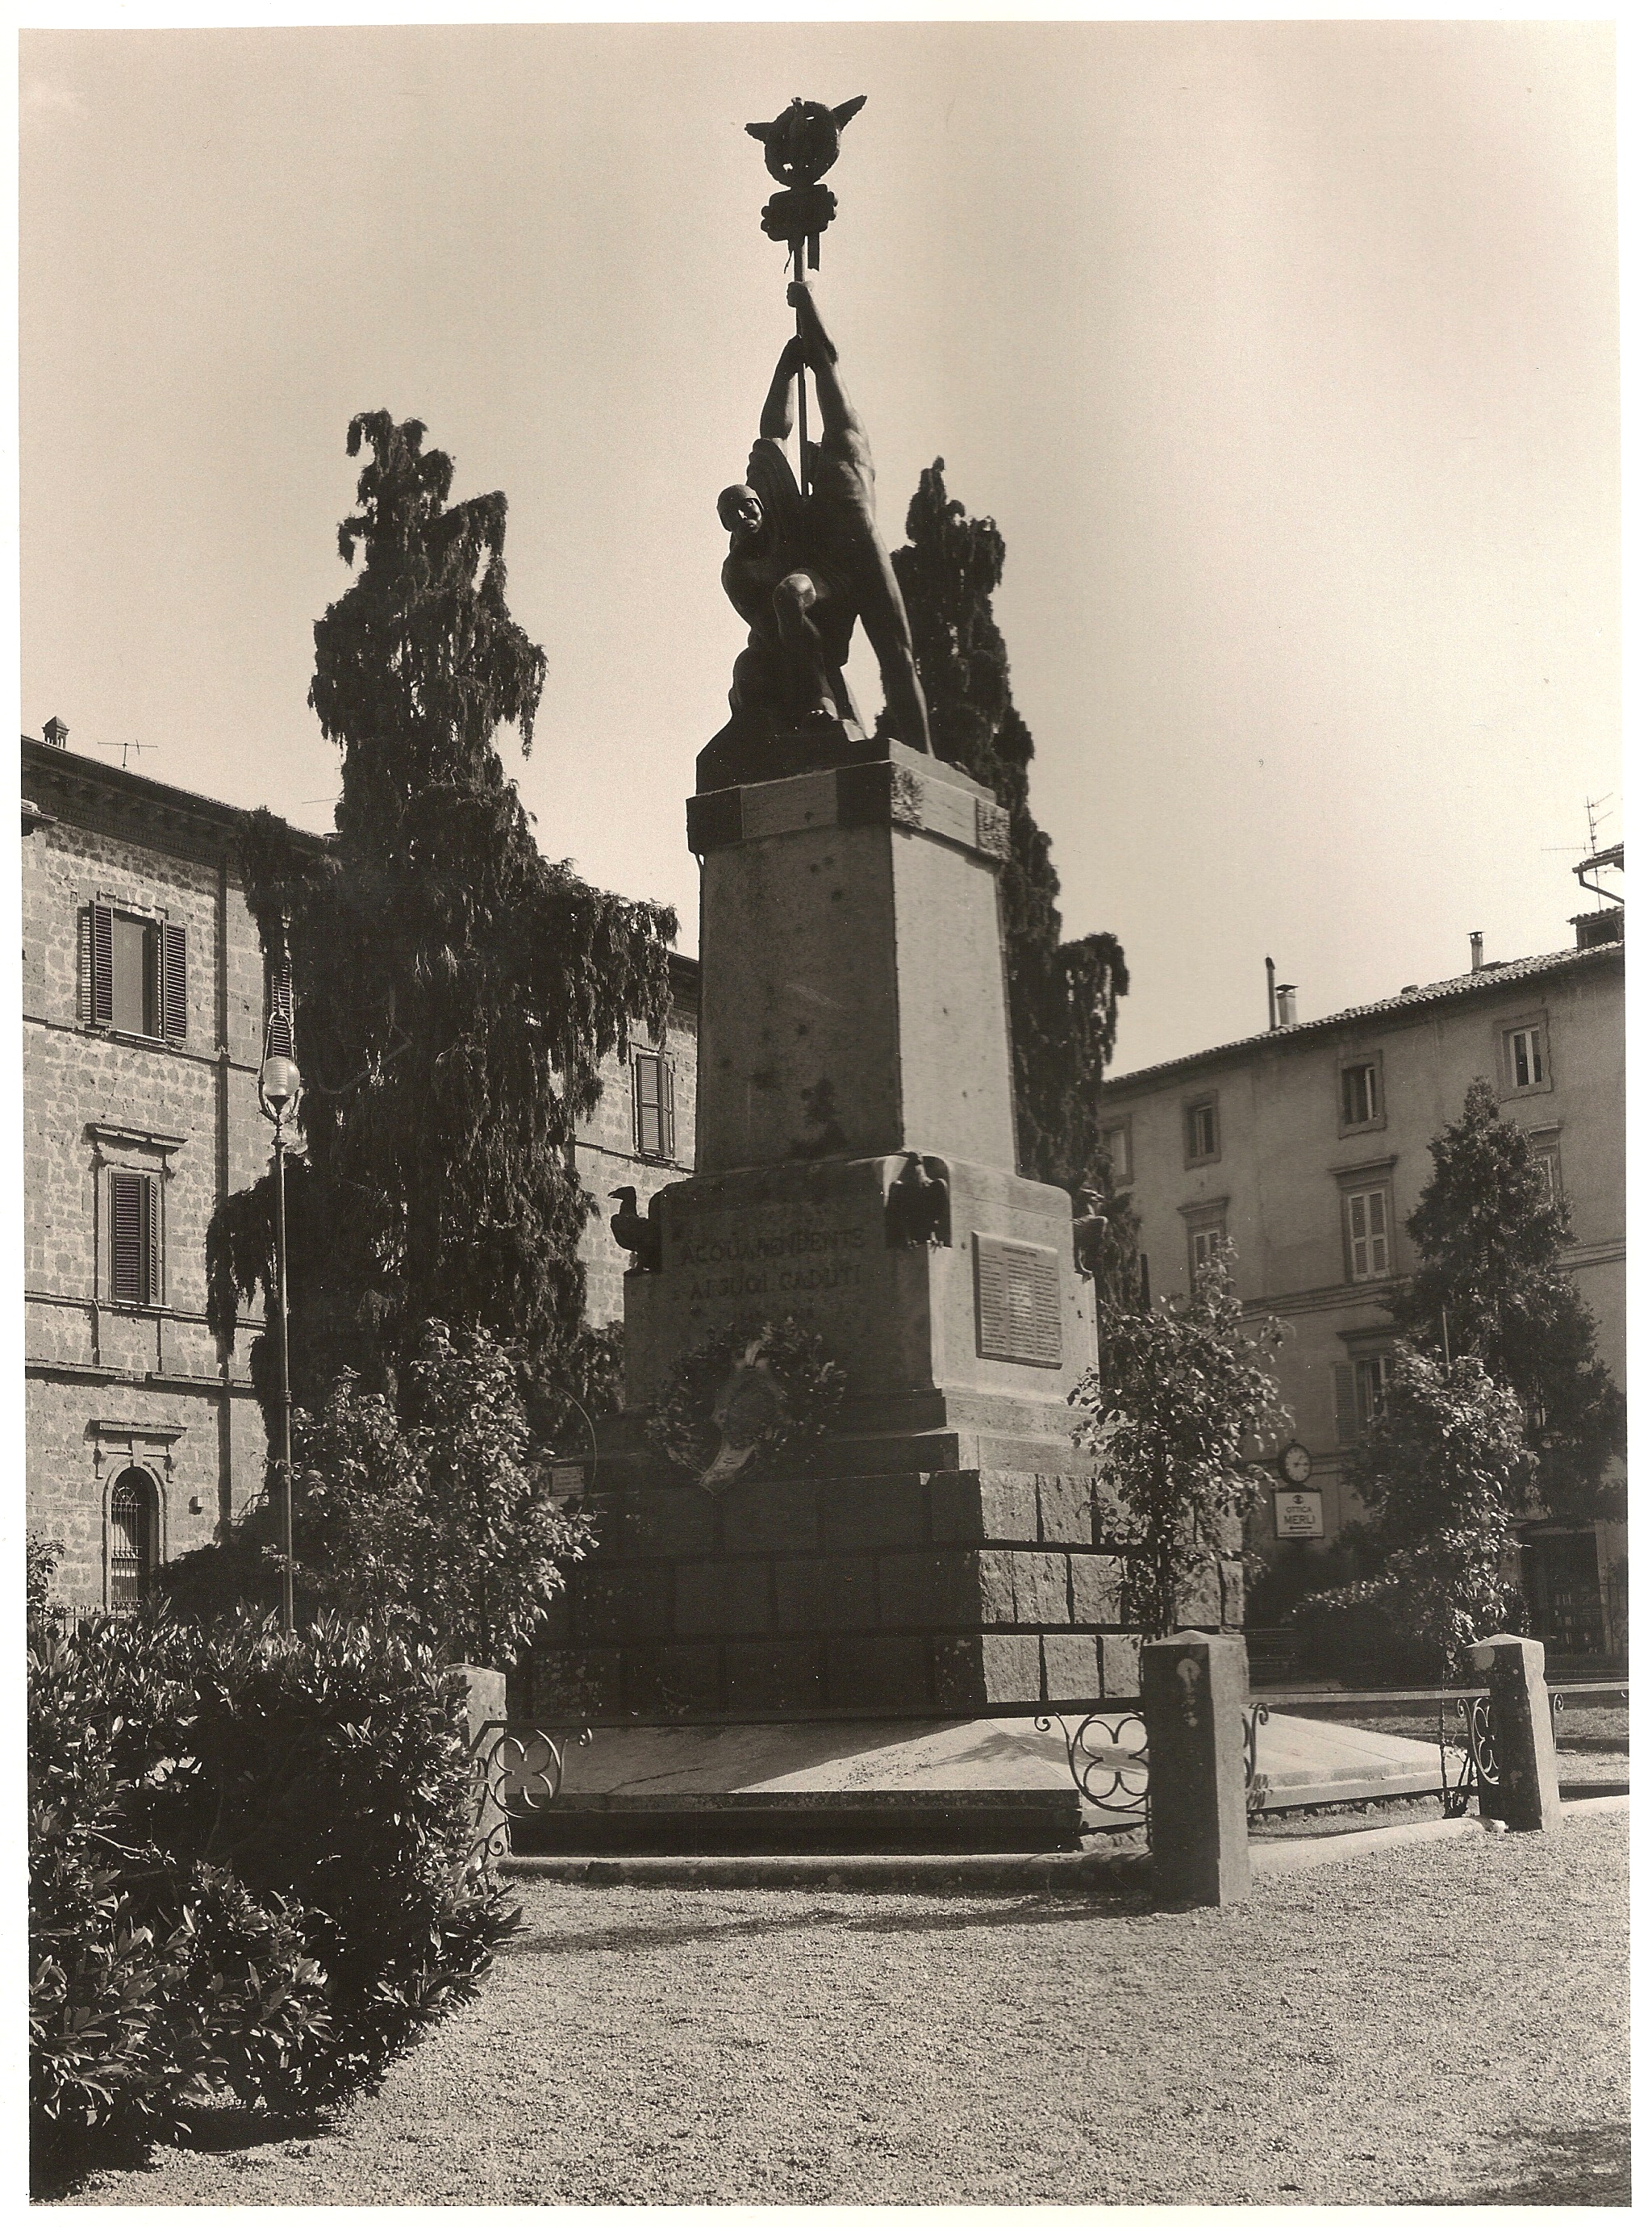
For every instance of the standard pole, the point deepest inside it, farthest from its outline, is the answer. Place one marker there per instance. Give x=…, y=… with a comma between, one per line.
x=286, y=1384
x=802, y=388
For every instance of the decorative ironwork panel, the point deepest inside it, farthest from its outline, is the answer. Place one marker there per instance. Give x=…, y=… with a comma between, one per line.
x=518, y=1775
x=1256, y=1782
x=1107, y=1754
x=1478, y=1776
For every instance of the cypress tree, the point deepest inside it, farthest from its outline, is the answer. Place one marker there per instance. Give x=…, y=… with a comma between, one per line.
x=1490, y=1281
x=456, y=991
x=1063, y=997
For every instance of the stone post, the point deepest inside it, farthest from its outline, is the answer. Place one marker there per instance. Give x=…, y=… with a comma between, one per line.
x=1523, y=1731
x=484, y=1697
x=484, y=1704
x=1194, y=1689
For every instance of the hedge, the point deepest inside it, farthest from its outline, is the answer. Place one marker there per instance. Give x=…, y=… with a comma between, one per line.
x=248, y=1870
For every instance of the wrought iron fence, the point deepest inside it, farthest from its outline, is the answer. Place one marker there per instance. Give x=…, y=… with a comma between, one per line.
x=1108, y=1751
x=1478, y=1773
x=1108, y=1756
x=520, y=1766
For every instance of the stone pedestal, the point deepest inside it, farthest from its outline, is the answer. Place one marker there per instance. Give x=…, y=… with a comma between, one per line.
x=853, y=1014
x=852, y=998
x=959, y=1352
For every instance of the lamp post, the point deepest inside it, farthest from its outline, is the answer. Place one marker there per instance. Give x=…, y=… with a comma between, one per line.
x=280, y=1087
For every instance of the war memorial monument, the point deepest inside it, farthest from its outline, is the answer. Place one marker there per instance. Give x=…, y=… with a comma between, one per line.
x=939, y=1547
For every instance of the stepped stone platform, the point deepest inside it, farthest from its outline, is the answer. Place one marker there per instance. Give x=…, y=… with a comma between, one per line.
x=992, y=1784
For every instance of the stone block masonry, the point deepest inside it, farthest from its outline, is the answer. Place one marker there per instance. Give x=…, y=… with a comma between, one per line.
x=143, y=1437
x=929, y=1592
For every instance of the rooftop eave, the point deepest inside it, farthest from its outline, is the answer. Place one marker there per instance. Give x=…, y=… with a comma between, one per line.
x=78, y=785
x=1486, y=981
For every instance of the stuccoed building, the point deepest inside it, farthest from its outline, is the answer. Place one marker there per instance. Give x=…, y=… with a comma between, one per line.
x=144, y=1007
x=1306, y=1148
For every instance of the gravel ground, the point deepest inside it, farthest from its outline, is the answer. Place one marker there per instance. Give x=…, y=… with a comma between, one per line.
x=1439, y=2024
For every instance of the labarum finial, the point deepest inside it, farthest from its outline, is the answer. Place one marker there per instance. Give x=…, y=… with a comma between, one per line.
x=799, y=147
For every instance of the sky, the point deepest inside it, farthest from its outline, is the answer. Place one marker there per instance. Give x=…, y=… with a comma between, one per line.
x=1285, y=356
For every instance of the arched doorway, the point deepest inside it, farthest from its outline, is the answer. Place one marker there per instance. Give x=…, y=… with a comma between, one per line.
x=134, y=1537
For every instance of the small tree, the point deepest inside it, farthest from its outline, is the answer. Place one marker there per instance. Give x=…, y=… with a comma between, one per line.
x=1489, y=1282
x=1184, y=1393
x=1445, y=1473
x=427, y=1515
x=434, y=1523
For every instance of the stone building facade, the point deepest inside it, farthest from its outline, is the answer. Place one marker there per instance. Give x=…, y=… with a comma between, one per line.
x=641, y=1135
x=1307, y=1148
x=143, y=1010
x=144, y=1007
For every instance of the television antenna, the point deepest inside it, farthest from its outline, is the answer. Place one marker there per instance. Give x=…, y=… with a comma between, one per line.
x=125, y=750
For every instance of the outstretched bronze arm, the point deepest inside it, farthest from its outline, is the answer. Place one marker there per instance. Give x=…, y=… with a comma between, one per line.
x=838, y=414
x=776, y=423
x=816, y=343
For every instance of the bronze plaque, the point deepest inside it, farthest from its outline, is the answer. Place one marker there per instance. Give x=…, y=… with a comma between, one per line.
x=1018, y=1302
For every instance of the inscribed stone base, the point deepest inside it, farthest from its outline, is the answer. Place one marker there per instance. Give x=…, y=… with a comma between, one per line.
x=969, y=1343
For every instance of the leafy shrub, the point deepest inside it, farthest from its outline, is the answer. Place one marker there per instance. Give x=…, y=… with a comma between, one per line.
x=42, y=1557
x=426, y=1512
x=247, y=1870
x=1446, y=1476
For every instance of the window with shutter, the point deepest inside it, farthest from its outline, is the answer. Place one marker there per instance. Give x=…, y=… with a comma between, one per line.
x=175, y=1002
x=1115, y=1145
x=1366, y=1219
x=653, y=1103
x=1348, y=1421
x=102, y=965
x=1527, y=1066
x=1370, y=1387
x=134, y=1239
x=1362, y=1096
x=1204, y=1136
x=667, y=1110
x=278, y=990
x=1204, y=1239
x=133, y=974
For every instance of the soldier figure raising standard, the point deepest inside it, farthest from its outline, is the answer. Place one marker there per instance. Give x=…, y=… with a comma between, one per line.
x=801, y=569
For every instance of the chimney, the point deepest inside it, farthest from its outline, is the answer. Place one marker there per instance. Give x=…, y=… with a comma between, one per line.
x=1476, y=951
x=1272, y=999
x=1286, y=999
x=55, y=733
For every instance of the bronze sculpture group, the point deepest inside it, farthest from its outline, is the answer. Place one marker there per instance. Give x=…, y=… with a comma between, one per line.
x=802, y=568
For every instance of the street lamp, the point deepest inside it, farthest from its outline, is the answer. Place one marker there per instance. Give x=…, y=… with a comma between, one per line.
x=280, y=1087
